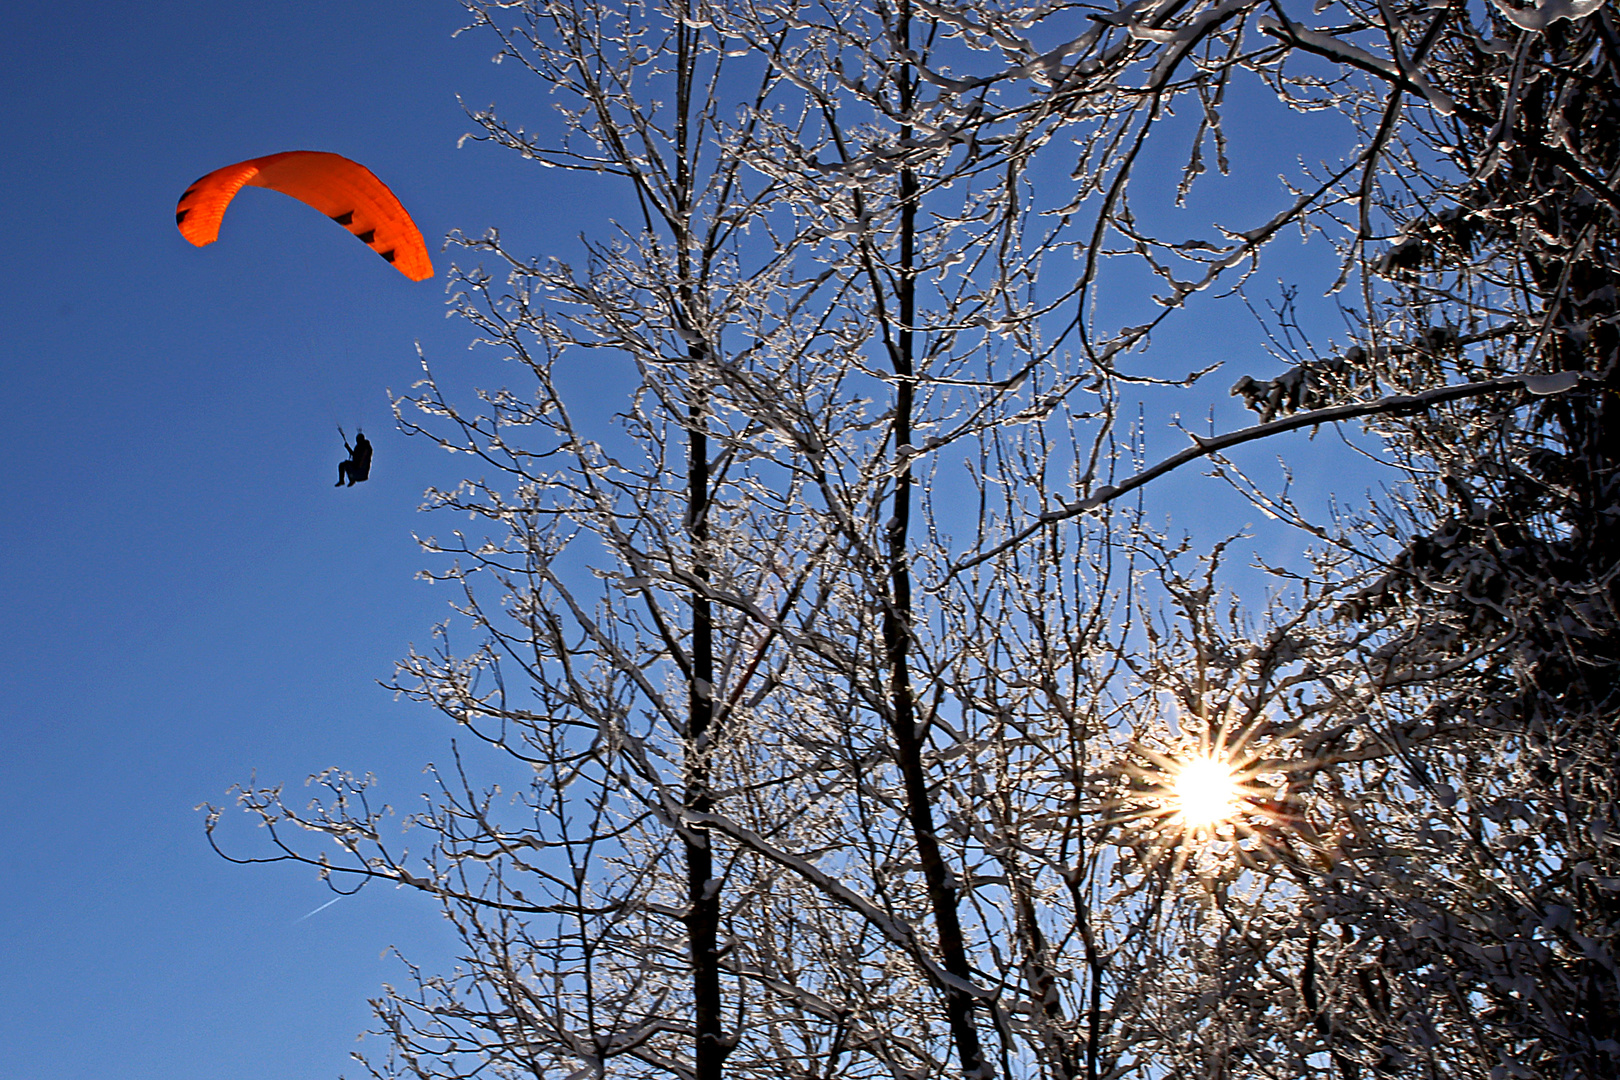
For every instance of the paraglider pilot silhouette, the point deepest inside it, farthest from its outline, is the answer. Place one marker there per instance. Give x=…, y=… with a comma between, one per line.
x=358, y=467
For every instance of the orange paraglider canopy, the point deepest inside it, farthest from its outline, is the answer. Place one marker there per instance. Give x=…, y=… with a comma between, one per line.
x=343, y=190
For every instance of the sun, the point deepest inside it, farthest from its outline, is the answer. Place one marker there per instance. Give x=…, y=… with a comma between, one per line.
x=1206, y=792
x=1215, y=802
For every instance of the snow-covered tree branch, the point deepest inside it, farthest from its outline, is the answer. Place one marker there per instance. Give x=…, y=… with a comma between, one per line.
x=826, y=708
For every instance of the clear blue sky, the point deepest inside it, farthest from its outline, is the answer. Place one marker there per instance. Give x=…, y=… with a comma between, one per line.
x=186, y=596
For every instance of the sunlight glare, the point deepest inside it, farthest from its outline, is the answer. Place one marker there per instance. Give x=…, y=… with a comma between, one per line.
x=1206, y=792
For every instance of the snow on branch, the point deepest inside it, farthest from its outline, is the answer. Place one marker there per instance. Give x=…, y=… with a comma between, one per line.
x=1539, y=384
x=896, y=930
x=1537, y=17
x=1403, y=75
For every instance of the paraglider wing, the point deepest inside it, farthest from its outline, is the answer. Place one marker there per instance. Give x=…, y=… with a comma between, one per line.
x=343, y=190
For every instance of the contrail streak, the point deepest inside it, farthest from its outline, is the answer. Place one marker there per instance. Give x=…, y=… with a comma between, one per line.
x=318, y=910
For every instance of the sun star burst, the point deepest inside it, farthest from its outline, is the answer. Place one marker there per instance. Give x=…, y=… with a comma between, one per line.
x=1213, y=802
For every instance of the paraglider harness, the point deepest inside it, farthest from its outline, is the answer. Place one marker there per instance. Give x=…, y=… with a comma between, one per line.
x=358, y=467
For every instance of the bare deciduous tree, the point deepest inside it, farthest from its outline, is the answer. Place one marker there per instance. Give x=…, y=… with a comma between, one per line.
x=847, y=683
